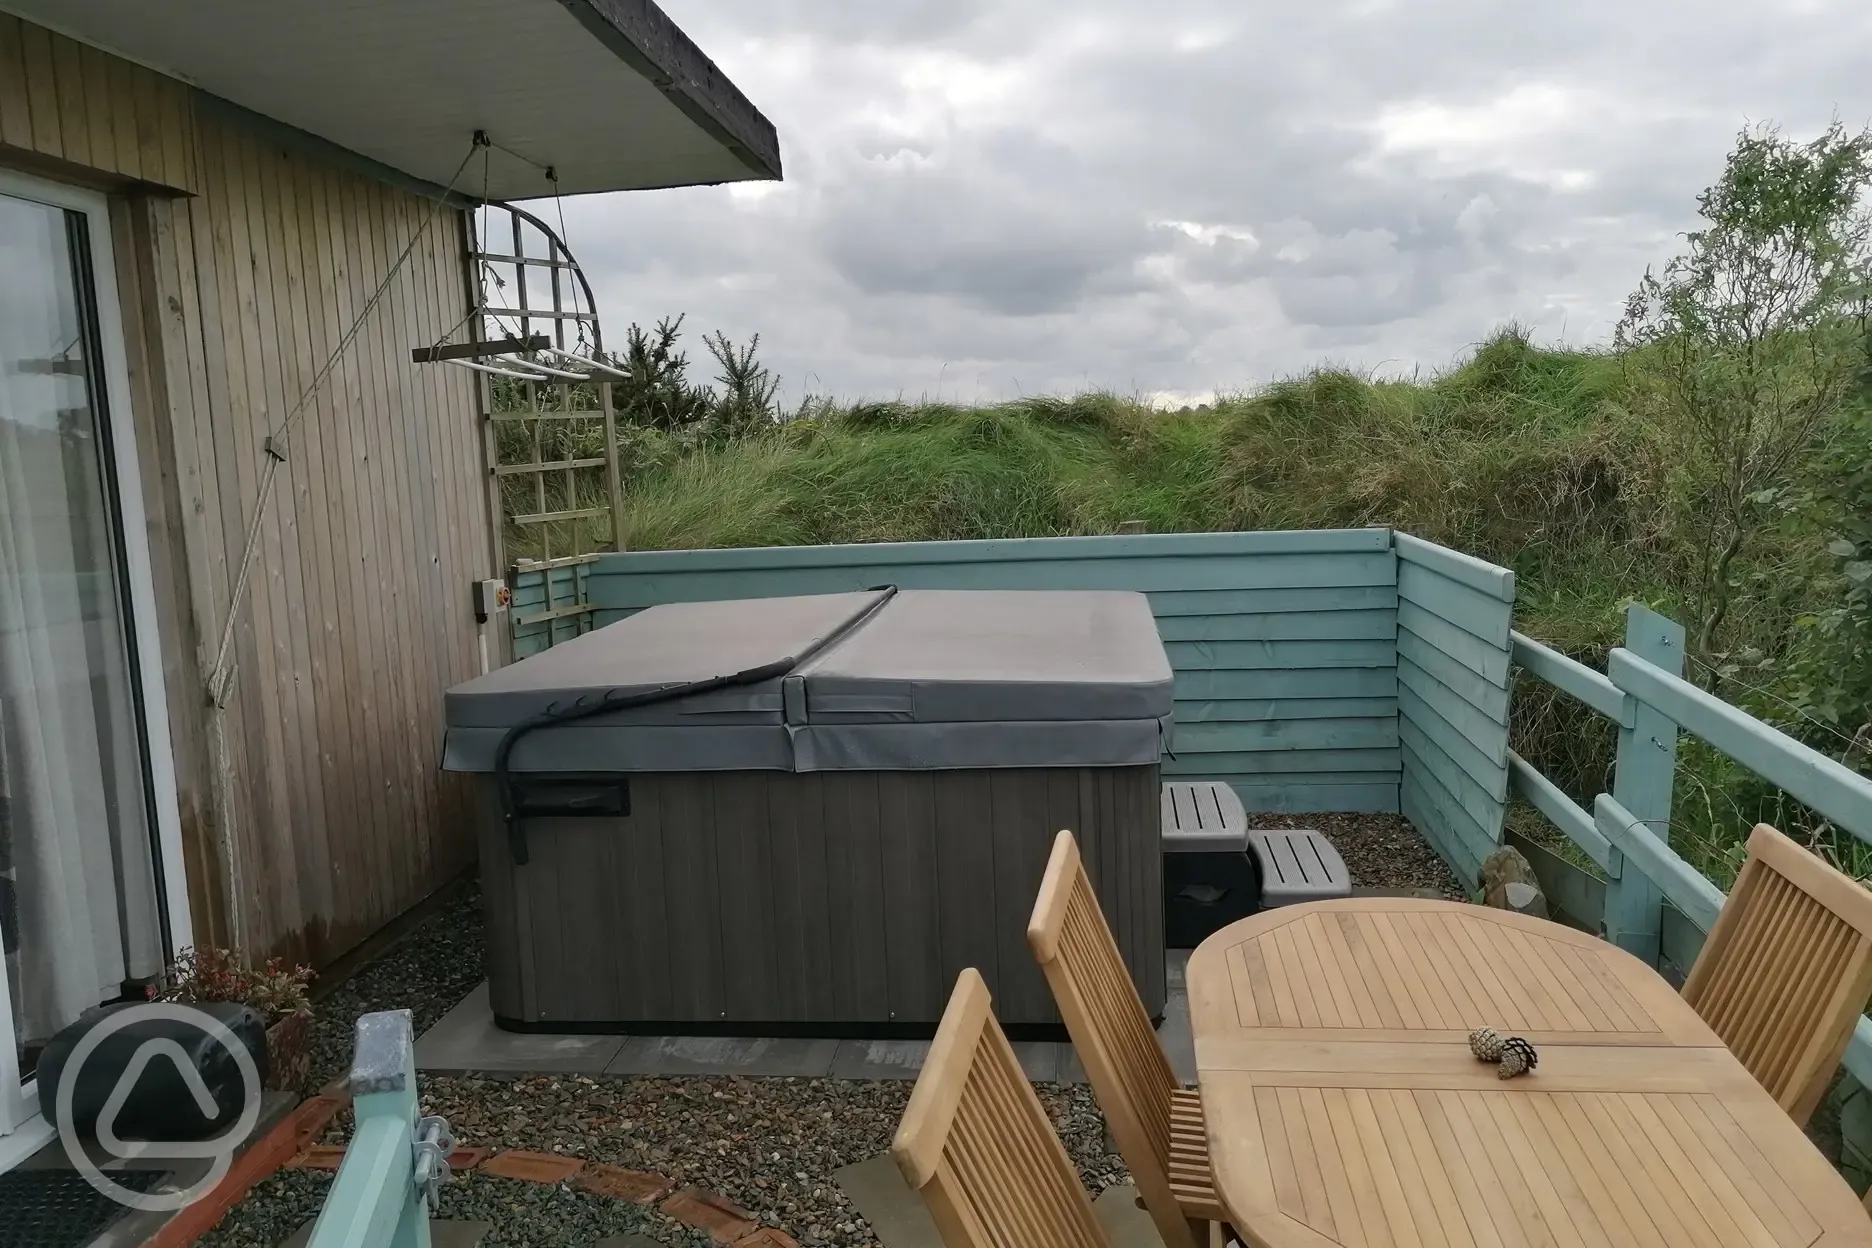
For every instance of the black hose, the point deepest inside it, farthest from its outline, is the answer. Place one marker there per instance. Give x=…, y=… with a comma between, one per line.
x=612, y=701
x=616, y=700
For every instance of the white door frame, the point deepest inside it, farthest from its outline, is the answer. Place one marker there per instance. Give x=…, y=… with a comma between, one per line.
x=17, y=1103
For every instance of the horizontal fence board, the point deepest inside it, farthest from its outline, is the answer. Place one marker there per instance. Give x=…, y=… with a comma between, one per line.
x=1449, y=829
x=1425, y=758
x=1560, y=810
x=529, y=587
x=1293, y=763
x=1282, y=626
x=1149, y=546
x=1295, y=734
x=1466, y=569
x=1491, y=776
x=1283, y=645
x=619, y=583
x=1474, y=612
x=1490, y=699
x=1300, y=682
x=1167, y=603
x=1688, y=889
x=1836, y=791
x=1294, y=798
x=1571, y=677
x=1311, y=779
x=1476, y=727
x=1260, y=710
x=1243, y=655
x=1486, y=661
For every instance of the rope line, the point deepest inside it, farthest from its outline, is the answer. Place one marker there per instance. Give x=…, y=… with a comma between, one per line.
x=221, y=674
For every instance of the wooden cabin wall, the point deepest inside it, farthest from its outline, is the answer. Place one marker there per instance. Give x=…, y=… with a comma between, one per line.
x=241, y=264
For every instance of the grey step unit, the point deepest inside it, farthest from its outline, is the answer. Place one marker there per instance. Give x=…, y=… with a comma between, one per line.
x=1298, y=864
x=821, y=849
x=1217, y=869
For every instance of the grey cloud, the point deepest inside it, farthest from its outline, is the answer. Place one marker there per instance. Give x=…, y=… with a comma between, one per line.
x=994, y=196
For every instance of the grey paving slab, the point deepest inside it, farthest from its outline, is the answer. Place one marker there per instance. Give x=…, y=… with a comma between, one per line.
x=443, y=1233
x=723, y=1055
x=902, y=1059
x=1127, y=1223
x=632, y=1240
x=897, y=1215
x=1179, y=1045
x=466, y=1039
x=1176, y=963
x=1179, y=1042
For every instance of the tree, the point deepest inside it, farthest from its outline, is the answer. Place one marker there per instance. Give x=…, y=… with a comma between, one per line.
x=1757, y=332
x=658, y=394
x=746, y=404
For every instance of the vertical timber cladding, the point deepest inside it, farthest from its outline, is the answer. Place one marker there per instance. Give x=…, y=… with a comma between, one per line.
x=314, y=794
x=356, y=619
x=1284, y=644
x=1455, y=614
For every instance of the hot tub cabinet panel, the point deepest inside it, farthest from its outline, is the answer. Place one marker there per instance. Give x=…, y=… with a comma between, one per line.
x=824, y=902
x=821, y=847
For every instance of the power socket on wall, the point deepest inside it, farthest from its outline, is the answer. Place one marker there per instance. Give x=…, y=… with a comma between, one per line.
x=490, y=598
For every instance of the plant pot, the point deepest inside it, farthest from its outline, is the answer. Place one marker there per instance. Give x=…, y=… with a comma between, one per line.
x=289, y=1053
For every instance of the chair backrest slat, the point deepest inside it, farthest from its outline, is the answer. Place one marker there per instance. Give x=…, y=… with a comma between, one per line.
x=1787, y=969
x=978, y=1145
x=1111, y=1032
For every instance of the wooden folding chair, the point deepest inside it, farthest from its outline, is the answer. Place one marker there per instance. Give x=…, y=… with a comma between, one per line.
x=1157, y=1123
x=1787, y=969
x=977, y=1143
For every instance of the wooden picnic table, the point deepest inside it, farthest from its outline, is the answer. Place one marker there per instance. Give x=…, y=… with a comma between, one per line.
x=1343, y=1105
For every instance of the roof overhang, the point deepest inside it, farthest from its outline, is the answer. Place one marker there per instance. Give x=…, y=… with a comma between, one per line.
x=609, y=94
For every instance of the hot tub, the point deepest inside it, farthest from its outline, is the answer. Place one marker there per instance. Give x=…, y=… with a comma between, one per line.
x=806, y=815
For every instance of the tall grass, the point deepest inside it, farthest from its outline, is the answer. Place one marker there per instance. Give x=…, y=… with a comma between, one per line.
x=1544, y=461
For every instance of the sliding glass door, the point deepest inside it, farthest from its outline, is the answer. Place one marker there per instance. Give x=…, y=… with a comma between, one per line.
x=81, y=896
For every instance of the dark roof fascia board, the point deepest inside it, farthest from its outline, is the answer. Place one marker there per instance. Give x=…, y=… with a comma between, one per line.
x=643, y=36
x=310, y=144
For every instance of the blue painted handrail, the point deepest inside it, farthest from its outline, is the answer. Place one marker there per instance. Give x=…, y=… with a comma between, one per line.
x=1651, y=703
x=381, y=1197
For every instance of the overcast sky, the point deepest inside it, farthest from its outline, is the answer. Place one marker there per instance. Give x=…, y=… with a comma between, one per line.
x=986, y=198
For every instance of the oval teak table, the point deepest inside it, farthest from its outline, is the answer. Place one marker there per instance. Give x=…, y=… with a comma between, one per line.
x=1343, y=1106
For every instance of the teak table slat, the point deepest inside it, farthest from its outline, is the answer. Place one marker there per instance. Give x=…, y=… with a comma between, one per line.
x=1345, y=1108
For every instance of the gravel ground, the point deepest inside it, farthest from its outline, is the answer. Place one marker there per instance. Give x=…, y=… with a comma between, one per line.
x=519, y=1215
x=771, y=1145
x=427, y=972
x=1380, y=851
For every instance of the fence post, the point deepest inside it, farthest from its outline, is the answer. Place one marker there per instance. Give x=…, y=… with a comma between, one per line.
x=374, y=1202
x=1646, y=766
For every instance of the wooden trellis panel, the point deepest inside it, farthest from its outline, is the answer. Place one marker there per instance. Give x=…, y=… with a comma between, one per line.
x=552, y=445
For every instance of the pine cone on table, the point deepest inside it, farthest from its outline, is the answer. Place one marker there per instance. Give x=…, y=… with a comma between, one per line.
x=1517, y=1057
x=1486, y=1044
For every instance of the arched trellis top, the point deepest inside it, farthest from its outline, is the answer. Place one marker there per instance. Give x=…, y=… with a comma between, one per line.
x=549, y=421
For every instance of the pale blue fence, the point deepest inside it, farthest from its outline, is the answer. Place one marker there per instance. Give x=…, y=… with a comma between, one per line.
x=1627, y=833
x=1455, y=616
x=1291, y=649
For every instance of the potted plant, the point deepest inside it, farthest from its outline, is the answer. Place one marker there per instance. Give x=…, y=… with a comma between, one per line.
x=277, y=992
